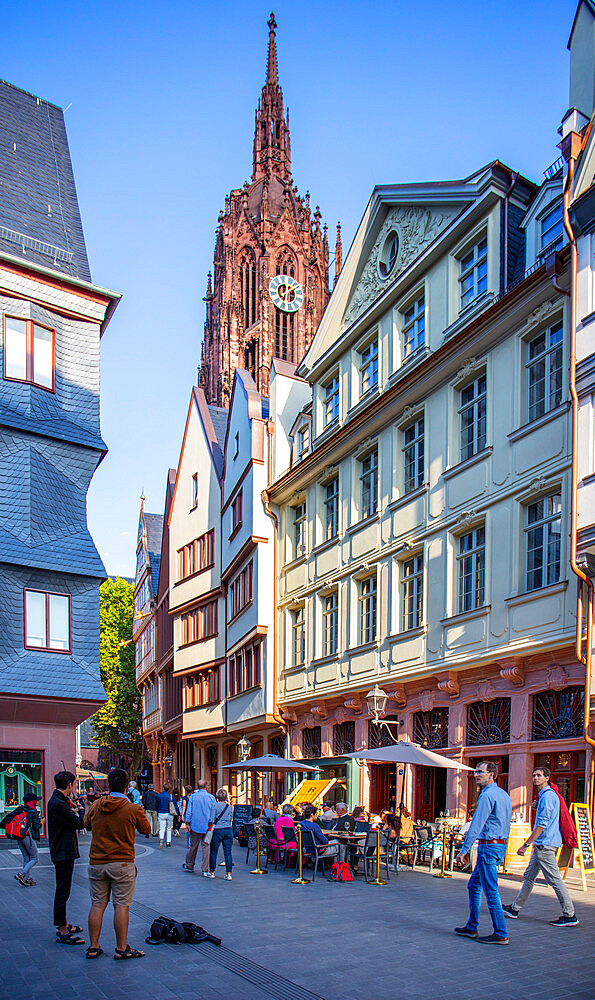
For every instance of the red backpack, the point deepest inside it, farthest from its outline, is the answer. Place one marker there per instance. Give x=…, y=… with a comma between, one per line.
x=567, y=827
x=16, y=827
x=341, y=872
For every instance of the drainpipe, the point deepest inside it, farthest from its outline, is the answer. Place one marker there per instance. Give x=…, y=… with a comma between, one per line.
x=266, y=503
x=583, y=579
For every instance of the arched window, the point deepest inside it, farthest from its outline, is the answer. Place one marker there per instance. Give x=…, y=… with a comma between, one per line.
x=284, y=322
x=248, y=286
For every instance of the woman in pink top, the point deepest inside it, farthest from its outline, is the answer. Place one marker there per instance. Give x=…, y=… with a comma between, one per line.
x=284, y=820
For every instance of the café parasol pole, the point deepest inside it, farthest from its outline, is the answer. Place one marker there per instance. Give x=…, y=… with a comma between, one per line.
x=443, y=873
x=258, y=870
x=377, y=880
x=300, y=880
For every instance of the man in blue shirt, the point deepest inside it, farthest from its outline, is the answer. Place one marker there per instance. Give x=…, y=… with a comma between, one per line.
x=326, y=848
x=197, y=818
x=490, y=827
x=546, y=840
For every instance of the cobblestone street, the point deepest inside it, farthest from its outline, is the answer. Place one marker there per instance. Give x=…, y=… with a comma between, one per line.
x=280, y=941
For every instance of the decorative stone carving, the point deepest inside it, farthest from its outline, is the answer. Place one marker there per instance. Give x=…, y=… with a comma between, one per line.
x=398, y=694
x=308, y=720
x=470, y=365
x=485, y=690
x=538, y=315
x=513, y=671
x=340, y=714
x=426, y=700
x=449, y=684
x=557, y=677
x=416, y=228
x=467, y=518
x=409, y=411
x=354, y=703
x=318, y=711
x=290, y=715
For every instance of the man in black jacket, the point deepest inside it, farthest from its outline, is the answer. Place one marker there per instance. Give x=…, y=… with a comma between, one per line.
x=150, y=807
x=63, y=823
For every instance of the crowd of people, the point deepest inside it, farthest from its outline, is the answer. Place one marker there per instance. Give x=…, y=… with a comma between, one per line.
x=115, y=817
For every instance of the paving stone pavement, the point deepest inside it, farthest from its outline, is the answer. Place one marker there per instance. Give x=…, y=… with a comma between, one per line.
x=281, y=941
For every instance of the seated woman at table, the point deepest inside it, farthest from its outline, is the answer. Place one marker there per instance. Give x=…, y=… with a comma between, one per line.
x=406, y=824
x=284, y=820
x=359, y=815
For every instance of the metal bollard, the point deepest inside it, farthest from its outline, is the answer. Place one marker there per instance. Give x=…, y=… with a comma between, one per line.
x=377, y=880
x=443, y=873
x=258, y=870
x=300, y=880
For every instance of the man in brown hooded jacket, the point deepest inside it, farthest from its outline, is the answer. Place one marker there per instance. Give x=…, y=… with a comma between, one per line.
x=113, y=821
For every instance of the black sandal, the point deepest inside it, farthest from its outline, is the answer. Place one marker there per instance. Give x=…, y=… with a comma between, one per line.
x=74, y=929
x=69, y=938
x=94, y=952
x=128, y=953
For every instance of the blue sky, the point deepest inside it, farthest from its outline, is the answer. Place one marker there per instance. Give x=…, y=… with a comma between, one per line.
x=161, y=101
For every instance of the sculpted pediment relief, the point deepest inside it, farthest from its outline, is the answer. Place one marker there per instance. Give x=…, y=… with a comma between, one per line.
x=416, y=228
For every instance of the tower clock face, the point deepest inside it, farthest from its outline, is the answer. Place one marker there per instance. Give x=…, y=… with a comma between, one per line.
x=286, y=293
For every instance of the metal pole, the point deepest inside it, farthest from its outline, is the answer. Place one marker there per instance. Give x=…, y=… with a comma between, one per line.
x=258, y=870
x=300, y=880
x=377, y=880
x=443, y=873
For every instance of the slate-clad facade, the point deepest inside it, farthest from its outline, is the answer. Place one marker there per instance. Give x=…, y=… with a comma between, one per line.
x=51, y=321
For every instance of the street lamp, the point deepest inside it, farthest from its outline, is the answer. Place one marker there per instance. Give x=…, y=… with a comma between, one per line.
x=376, y=700
x=244, y=747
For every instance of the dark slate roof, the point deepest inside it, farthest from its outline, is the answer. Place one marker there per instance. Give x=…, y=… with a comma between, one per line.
x=75, y=552
x=48, y=420
x=219, y=418
x=154, y=526
x=49, y=675
x=39, y=213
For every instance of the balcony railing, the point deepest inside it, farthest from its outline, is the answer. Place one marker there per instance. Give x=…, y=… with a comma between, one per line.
x=151, y=720
x=145, y=664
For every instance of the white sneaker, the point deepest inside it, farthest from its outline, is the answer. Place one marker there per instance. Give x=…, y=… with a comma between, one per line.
x=228, y=877
x=209, y=874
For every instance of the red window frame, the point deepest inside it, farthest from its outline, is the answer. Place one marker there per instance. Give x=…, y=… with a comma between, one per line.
x=200, y=552
x=244, y=669
x=29, y=380
x=202, y=688
x=199, y=624
x=48, y=594
x=241, y=591
x=236, y=513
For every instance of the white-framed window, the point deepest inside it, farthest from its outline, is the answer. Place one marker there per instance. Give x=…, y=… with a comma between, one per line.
x=412, y=582
x=330, y=624
x=368, y=367
x=330, y=401
x=331, y=508
x=367, y=600
x=543, y=532
x=413, y=326
x=299, y=530
x=369, y=484
x=472, y=416
x=413, y=455
x=388, y=254
x=303, y=441
x=298, y=636
x=47, y=621
x=544, y=371
x=471, y=569
x=473, y=272
x=551, y=229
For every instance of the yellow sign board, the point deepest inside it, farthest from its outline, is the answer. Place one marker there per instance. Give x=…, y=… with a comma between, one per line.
x=310, y=791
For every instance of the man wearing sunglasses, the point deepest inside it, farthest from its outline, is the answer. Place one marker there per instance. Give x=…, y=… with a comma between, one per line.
x=490, y=827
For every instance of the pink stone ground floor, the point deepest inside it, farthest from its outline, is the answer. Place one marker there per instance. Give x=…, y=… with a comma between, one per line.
x=519, y=713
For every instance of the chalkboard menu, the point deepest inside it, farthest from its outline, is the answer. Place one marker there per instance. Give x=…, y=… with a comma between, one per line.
x=584, y=830
x=241, y=814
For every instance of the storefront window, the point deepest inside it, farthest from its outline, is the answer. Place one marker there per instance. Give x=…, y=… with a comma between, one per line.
x=430, y=729
x=21, y=771
x=558, y=715
x=311, y=742
x=488, y=722
x=380, y=736
x=568, y=773
x=343, y=738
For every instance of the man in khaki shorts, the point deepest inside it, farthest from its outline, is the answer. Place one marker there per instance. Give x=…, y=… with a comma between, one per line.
x=113, y=821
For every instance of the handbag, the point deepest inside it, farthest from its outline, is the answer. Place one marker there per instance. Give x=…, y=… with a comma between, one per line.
x=209, y=834
x=172, y=808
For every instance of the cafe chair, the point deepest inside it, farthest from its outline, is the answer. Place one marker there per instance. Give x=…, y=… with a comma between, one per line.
x=310, y=849
x=367, y=852
x=361, y=826
x=325, y=824
x=284, y=851
x=423, y=846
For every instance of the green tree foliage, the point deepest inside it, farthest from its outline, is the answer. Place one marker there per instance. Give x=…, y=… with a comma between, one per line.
x=118, y=723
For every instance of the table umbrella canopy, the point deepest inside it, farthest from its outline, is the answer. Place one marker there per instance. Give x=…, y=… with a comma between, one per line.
x=405, y=752
x=270, y=762
x=83, y=774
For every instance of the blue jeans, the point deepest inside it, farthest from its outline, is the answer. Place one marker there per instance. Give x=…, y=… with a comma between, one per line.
x=485, y=876
x=223, y=836
x=29, y=851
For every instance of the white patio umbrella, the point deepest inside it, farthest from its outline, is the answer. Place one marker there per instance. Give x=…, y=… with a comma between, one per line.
x=270, y=762
x=404, y=752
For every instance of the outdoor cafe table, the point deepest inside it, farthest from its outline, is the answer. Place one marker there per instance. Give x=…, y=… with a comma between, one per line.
x=346, y=836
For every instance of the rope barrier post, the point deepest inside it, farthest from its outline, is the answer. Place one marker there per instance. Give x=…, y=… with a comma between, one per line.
x=258, y=870
x=300, y=880
x=443, y=873
x=377, y=880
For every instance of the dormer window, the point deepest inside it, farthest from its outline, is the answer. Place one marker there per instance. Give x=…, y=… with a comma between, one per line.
x=552, y=230
x=303, y=441
x=29, y=352
x=473, y=274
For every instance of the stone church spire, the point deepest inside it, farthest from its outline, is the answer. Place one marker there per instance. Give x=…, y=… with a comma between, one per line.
x=272, y=150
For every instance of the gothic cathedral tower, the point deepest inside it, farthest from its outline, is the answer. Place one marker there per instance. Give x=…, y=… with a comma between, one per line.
x=270, y=281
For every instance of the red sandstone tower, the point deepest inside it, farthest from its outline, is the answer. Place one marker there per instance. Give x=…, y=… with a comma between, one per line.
x=270, y=280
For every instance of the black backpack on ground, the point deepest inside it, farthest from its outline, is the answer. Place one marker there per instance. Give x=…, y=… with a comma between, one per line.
x=166, y=930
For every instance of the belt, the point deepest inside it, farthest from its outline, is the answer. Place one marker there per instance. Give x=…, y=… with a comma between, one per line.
x=496, y=840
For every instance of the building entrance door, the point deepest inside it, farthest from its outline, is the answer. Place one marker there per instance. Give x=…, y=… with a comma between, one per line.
x=383, y=787
x=430, y=793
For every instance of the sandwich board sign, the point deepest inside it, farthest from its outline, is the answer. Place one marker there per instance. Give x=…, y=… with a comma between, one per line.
x=586, y=851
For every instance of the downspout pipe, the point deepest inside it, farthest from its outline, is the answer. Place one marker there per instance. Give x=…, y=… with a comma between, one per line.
x=266, y=503
x=583, y=579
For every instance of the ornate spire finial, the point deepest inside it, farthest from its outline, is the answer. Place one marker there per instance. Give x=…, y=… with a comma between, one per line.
x=209, y=286
x=272, y=55
x=338, y=254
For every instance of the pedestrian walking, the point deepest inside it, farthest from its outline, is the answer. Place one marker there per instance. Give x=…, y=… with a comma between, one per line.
x=133, y=793
x=198, y=818
x=166, y=810
x=490, y=827
x=546, y=839
x=220, y=821
x=113, y=821
x=150, y=807
x=178, y=819
x=29, y=823
x=63, y=824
